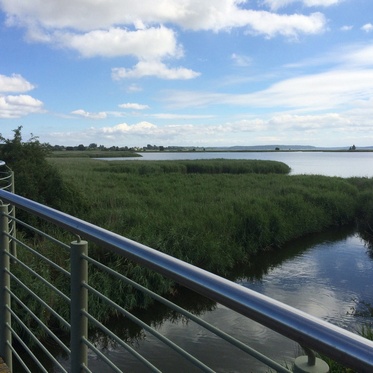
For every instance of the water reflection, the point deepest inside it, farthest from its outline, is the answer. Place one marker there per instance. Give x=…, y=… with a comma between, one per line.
x=325, y=275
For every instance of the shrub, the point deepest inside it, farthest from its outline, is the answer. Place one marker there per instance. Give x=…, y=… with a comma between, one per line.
x=35, y=178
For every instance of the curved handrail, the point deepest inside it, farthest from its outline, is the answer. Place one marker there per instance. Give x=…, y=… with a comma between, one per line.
x=341, y=345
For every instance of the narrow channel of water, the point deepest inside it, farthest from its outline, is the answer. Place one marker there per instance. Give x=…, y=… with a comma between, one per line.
x=326, y=275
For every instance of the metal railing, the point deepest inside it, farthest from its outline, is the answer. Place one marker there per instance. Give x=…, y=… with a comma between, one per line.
x=16, y=314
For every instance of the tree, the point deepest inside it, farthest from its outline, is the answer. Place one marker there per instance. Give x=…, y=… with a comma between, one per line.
x=35, y=177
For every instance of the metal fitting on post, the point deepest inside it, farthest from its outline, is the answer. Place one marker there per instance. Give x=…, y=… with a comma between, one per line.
x=310, y=363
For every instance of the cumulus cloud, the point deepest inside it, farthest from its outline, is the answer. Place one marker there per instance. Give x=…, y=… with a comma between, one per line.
x=86, y=114
x=153, y=68
x=134, y=106
x=19, y=106
x=151, y=43
x=16, y=106
x=14, y=83
x=368, y=27
x=138, y=128
x=272, y=24
x=87, y=15
x=127, y=28
x=92, y=20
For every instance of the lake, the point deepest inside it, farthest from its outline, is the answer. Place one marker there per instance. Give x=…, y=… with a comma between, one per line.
x=342, y=164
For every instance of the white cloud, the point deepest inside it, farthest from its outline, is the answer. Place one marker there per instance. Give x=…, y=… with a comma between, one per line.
x=241, y=60
x=86, y=114
x=151, y=43
x=368, y=27
x=14, y=83
x=16, y=106
x=123, y=128
x=19, y=106
x=329, y=90
x=277, y=127
x=180, y=116
x=346, y=28
x=357, y=55
x=272, y=24
x=134, y=88
x=98, y=16
x=277, y=4
x=153, y=68
x=134, y=106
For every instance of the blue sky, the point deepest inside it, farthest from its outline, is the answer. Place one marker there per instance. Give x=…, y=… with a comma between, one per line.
x=188, y=72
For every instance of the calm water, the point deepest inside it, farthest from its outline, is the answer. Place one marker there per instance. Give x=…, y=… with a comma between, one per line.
x=326, y=275
x=343, y=164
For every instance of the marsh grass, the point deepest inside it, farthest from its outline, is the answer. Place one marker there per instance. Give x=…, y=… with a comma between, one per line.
x=211, y=213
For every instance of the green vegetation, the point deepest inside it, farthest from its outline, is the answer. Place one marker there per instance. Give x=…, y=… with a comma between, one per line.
x=35, y=177
x=212, y=213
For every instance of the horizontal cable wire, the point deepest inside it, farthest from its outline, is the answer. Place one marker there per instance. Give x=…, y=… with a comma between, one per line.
x=85, y=368
x=39, y=277
x=47, y=236
x=36, y=340
x=101, y=355
x=40, y=300
x=41, y=256
x=233, y=341
x=42, y=325
x=28, y=350
x=15, y=353
x=120, y=342
x=146, y=327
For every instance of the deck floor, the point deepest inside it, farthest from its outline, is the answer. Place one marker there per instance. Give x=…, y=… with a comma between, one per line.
x=3, y=367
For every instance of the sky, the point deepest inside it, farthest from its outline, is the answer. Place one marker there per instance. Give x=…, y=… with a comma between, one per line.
x=187, y=72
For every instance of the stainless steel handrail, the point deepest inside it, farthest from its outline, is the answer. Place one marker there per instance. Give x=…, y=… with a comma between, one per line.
x=343, y=346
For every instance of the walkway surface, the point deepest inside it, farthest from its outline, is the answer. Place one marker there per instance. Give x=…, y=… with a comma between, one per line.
x=3, y=367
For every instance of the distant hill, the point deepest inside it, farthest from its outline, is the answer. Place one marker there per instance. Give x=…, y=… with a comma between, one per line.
x=286, y=148
x=258, y=148
x=273, y=147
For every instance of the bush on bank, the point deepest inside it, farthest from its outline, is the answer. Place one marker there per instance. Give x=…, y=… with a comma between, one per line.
x=35, y=177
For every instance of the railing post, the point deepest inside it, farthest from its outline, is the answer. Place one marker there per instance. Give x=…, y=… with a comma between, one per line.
x=13, y=244
x=5, y=301
x=79, y=303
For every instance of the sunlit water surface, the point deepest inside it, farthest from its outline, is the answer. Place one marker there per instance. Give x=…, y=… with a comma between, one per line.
x=326, y=275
